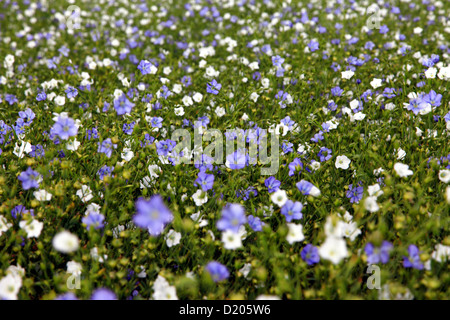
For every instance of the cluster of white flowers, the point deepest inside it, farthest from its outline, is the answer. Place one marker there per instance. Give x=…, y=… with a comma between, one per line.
x=162, y=290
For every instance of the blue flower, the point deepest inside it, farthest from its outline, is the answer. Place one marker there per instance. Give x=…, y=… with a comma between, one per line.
x=71, y=92
x=217, y=271
x=310, y=254
x=164, y=147
x=156, y=122
x=378, y=254
x=123, y=105
x=29, y=178
x=236, y=160
x=152, y=214
x=413, y=260
x=94, y=219
x=355, y=194
x=103, y=294
x=324, y=154
x=213, y=87
x=255, y=223
x=272, y=184
x=145, y=67
x=106, y=147
x=233, y=216
x=313, y=45
x=295, y=165
x=205, y=181
x=64, y=128
x=292, y=210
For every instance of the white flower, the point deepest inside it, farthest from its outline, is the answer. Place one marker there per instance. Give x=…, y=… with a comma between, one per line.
x=245, y=270
x=25, y=147
x=282, y=129
x=127, y=154
x=279, y=197
x=200, y=197
x=333, y=249
x=295, y=233
x=254, y=65
x=347, y=74
x=354, y=104
x=197, y=217
x=95, y=255
x=74, y=268
x=32, y=227
x=418, y=132
x=142, y=274
x=4, y=225
x=375, y=190
x=9, y=61
x=162, y=290
x=370, y=204
x=9, y=287
x=187, y=101
x=172, y=238
x=444, y=73
x=358, y=116
x=42, y=195
x=65, y=242
x=402, y=169
x=389, y=106
x=197, y=97
x=92, y=207
x=444, y=175
x=85, y=193
x=73, y=145
x=220, y=111
x=401, y=154
x=431, y=73
x=267, y=297
x=377, y=172
x=179, y=111
x=342, y=162
x=375, y=83
x=60, y=100
x=441, y=253
x=254, y=96
x=334, y=228
x=315, y=165
x=447, y=194
x=350, y=230
x=231, y=240
x=417, y=30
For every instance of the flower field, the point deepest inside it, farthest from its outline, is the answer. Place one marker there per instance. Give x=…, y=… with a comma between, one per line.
x=224, y=149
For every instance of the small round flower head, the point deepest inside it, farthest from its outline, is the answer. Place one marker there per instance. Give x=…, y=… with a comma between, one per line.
x=65, y=128
x=279, y=197
x=217, y=271
x=233, y=216
x=67, y=296
x=378, y=254
x=95, y=220
x=103, y=294
x=292, y=210
x=65, y=242
x=310, y=254
x=152, y=214
x=30, y=179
